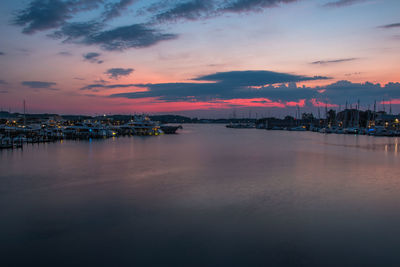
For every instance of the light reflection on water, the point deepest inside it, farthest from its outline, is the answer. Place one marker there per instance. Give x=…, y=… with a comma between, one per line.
x=209, y=196
x=389, y=145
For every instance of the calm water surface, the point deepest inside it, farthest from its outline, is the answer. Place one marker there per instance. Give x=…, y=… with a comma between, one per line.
x=209, y=196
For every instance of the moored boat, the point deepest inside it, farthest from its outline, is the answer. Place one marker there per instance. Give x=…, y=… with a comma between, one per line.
x=170, y=129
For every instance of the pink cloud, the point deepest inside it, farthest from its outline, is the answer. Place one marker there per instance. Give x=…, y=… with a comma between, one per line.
x=317, y=103
x=300, y=103
x=388, y=102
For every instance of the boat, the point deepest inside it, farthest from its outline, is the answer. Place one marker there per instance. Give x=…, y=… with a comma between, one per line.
x=326, y=130
x=339, y=131
x=170, y=129
x=6, y=142
x=142, y=125
x=351, y=130
x=380, y=131
x=298, y=129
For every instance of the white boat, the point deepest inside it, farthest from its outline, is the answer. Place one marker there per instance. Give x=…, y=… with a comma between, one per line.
x=142, y=125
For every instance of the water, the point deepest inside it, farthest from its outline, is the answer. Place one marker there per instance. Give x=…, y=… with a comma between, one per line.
x=209, y=196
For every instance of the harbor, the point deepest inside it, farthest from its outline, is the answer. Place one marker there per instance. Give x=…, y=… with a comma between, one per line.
x=17, y=131
x=348, y=121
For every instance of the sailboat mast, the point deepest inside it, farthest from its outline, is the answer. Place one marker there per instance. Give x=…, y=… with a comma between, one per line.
x=358, y=113
x=24, y=113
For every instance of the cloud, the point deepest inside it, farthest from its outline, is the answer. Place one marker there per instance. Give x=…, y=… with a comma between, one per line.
x=3, y=91
x=65, y=53
x=334, y=61
x=198, y=9
x=97, y=86
x=277, y=87
x=3, y=82
x=2, y=53
x=42, y=15
x=120, y=38
x=92, y=57
x=124, y=37
x=390, y=26
x=228, y=85
x=253, y=5
x=255, y=77
x=367, y=92
x=114, y=10
x=191, y=10
x=60, y=15
x=39, y=85
x=71, y=32
x=116, y=73
x=342, y=3
x=101, y=81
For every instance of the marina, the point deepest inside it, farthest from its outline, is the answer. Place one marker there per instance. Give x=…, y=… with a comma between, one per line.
x=14, y=132
x=348, y=121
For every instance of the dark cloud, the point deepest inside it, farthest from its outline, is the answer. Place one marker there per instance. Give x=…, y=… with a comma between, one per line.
x=325, y=62
x=335, y=93
x=39, y=85
x=3, y=82
x=270, y=85
x=132, y=36
x=2, y=53
x=60, y=14
x=49, y=14
x=198, y=9
x=229, y=85
x=255, y=78
x=191, y=10
x=253, y=5
x=3, y=91
x=116, y=73
x=390, y=26
x=92, y=57
x=71, y=32
x=367, y=92
x=103, y=86
x=114, y=10
x=120, y=38
x=341, y=3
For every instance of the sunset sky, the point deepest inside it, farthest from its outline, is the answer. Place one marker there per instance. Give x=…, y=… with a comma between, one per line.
x=198, y=57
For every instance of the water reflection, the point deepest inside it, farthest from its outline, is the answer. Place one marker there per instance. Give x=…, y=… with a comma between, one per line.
x=389, y=145
x=209, y=196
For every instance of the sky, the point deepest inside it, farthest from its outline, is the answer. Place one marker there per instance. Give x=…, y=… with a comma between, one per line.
x=207, y=58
